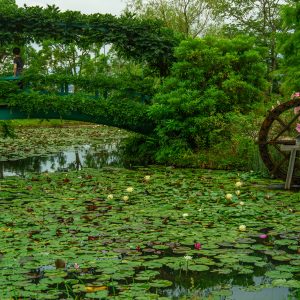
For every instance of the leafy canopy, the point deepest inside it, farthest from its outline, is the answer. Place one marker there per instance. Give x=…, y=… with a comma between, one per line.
x=212, y=77
x=141, y=40
x=290, y=48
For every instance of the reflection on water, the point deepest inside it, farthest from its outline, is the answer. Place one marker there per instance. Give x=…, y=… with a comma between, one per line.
x=234, y=286
x=76, y=158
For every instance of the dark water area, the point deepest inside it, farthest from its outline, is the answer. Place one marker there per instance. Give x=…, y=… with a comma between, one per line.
x=231, y=286
x=74, y=158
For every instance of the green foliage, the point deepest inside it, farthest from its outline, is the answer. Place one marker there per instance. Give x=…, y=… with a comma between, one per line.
x=6, y=88
x=260, y=19
x=130, y=115
x=124, y=86
x=189, y=18
x=141, y=40
x=7, y=129
x=211, y=78
x=289, y=48
x=140, y=149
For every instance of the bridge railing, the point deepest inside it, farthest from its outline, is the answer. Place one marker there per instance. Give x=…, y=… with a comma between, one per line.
x=101, y=86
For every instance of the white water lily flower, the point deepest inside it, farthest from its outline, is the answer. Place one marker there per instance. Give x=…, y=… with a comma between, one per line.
x=238, y=184
x=110, y=196
x=238, y=192
x=242, y=203
x=188, y=257
x=185, y=215
x=147, y=178
x=125, y=198
x=242, y=228
x=129, y=189
x=228, y=196
x=200, y=209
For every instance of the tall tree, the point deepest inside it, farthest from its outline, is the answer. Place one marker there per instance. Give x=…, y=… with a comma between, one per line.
x=7, y=3
x=5, y=50
x=289, y=47
x=260, y=18
x=190, y=17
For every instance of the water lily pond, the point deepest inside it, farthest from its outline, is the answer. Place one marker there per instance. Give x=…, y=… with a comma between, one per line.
x=60, y=149
x=148, y=233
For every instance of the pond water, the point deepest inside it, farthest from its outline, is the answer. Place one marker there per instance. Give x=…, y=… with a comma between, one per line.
x=76, y=224
x=74, y=158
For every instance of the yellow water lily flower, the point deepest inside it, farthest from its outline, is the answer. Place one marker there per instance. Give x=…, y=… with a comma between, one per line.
x=242, y=228
x=238, y=184
x=228, y=196
x=147, y=178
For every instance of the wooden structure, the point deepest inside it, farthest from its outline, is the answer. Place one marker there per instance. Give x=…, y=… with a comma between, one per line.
x=277, y=142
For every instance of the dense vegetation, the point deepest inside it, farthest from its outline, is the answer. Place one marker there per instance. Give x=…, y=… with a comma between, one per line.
x=199, y=95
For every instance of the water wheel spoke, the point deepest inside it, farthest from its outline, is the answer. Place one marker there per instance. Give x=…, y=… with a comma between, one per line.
x=279, y=120
x=286, y=155
x=281, y=142
x=286, y=126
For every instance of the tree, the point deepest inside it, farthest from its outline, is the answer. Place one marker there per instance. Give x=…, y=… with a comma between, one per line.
x=189, y=17
x=289, y=46
x=8, y=3
x=259, y=18
x=5, y=53
x=211, y=78
x=67, y=59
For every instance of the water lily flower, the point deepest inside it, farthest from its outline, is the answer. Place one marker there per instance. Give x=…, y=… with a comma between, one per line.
x=238, y=184
x=228, y=196
x=197, y=246
x=110, y=196
x=125, y=198
x=185, y=215
x=242, y=228
x=263, y=236
x=147, y=178
x=129, y=189
x=242, y=203
x=188, y=257
x=238, y=192
x=200, y=209
x=76, y=266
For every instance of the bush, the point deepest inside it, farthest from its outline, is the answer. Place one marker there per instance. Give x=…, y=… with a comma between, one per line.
x=211, y=79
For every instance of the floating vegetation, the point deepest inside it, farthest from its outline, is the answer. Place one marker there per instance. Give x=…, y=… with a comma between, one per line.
x=147, y=233
x=35, y=141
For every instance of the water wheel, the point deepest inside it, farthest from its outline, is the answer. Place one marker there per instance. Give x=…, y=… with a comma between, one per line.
x=277, y=130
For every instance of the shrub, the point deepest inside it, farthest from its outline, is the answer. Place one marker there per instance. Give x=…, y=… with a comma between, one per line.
x=211, y=78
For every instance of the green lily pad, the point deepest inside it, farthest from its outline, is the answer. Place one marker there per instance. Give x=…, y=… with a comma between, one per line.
x=198, y=268
x=160, y=283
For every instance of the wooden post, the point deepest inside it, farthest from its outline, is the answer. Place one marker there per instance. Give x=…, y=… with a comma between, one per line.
x=290, y=171
x=293, y=151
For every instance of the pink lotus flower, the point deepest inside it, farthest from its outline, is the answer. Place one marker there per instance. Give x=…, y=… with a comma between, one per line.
x=197, y=246
x=76, y=266
x=263, y=236
x=295, y=95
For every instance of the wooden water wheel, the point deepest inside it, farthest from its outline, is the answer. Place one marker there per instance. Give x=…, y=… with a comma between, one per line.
x=277, y=130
